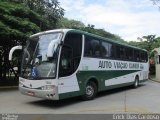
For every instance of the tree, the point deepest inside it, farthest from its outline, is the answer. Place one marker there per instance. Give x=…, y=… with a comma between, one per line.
x=48, y=10
x=14, y=29
x=103, y=33
x=69, y=23
x=75, y=24
x=17, y=23
x=156, y=2
x=147, y=42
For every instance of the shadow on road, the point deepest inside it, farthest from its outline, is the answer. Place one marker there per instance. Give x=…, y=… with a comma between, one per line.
x=76, y=100
x=56, y=104
x=118, y=90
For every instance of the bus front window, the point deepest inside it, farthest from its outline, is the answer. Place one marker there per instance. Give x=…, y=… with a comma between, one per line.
x=35, y=63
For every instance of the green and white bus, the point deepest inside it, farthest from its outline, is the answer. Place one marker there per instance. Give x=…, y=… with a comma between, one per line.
x=63, y=63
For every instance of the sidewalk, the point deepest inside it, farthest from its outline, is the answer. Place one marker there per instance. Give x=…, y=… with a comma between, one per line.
x=8, y=83
x=153, y=78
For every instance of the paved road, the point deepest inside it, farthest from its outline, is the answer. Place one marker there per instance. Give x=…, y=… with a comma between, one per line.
x=144, y=99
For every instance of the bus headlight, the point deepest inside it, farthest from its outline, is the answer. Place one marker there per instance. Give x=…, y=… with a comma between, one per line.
x=48, y=87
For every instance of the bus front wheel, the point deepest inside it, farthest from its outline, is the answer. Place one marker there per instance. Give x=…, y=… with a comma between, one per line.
x=90, y=91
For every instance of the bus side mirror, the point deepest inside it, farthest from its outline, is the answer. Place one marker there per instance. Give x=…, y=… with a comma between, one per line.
x=12, y=51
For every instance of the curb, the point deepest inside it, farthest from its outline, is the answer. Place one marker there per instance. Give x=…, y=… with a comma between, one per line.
x=7, y=87
x=154, y=80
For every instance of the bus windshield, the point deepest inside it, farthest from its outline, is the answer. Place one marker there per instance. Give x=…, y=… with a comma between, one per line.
x=35, y=62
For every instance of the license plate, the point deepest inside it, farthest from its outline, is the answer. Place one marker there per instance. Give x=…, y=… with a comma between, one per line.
x=30, y=93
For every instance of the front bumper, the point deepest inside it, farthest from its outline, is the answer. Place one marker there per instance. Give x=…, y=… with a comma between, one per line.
x=46, y=94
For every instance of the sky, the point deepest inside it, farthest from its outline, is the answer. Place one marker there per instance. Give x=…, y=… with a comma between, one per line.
x=129, y=19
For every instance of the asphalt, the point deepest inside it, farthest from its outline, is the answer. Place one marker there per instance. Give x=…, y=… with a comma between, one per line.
x=144, y=99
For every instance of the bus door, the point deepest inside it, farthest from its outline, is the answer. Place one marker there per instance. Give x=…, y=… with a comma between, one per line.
x=70, y=58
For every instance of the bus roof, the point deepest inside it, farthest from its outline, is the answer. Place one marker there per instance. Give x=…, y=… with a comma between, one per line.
x=107, y=39
x=50, y=31
x=86, y=33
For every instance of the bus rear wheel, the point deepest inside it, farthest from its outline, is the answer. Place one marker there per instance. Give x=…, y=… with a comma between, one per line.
x=136, y=82
x=90, y=91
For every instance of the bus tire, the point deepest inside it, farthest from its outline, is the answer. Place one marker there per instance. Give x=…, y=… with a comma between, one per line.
x=90, y=91
x=136, y=82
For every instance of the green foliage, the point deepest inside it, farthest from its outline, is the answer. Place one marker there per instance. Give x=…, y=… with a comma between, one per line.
x=103, y=33
x=49, y=10
x=147, y=42
x=75, y=24
x=21, y=18
x=69, y=23
x=157, y=3
x=17, y=27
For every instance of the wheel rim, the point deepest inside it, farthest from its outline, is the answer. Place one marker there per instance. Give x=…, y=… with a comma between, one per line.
x=136, y=83
x=89, y=91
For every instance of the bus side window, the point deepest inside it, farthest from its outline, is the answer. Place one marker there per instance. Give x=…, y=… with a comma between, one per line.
x=95, y=45
x=92, y=47
x=129, y=54
x=144, y=57
x=123, y=53
x=106, y=49
x=137, y=55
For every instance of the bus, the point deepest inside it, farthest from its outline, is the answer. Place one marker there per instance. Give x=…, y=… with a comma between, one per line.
x=64, y=63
